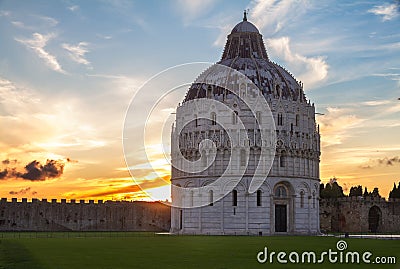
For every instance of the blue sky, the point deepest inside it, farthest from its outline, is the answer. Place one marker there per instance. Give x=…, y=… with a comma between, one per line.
x=69, y=68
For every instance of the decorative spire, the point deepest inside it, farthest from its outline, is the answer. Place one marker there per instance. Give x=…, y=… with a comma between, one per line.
x=245, y=41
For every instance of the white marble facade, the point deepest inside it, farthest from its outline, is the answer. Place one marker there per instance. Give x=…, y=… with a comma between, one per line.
x=287, y=200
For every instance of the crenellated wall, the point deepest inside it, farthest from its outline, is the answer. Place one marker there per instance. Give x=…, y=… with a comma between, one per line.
x=44, y=215
x=358, y=214
x=348, y=214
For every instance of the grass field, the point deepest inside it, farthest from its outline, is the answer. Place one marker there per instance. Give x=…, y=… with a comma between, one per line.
x=163, y=251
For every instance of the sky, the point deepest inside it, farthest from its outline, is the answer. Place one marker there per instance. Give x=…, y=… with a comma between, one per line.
x=69, y=69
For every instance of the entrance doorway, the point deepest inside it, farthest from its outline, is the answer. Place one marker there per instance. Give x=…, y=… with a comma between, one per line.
x=374, y=217
x=280, y=218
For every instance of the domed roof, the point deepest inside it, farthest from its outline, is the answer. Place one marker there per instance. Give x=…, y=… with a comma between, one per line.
x=245, y=52
x=245, y=26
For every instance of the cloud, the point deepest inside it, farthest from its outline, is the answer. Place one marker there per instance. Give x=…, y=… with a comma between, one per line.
x=336, y=124
x=121, y=84
x=389, y=161
x=18, y=110
x=8, y=161
x=55, y=125
x=3, y=174
x=73, y=8
x=5, y=13
x=15, y=99
x=273, y=15
x=22, y=191
x=376, y=102
x=392, y=76
x=35, y=171
x=77, y=52
x=38, y=44
x=393, y=109
x=31, y=22
x=106, y=37
x=134, y=188
x=192, y=9
x=268, y=15
x=20, y=24
x=387, y=11
x=385, y=161
x=126, y=189
x=49, y=21
x=224, y=32
x=69, y=160
x=366, y=167
x=127, y=10
x=310, y=70
x=379, y=109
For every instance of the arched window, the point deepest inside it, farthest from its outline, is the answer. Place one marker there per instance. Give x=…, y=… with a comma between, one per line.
x=280, y=119
x=259, y=194
x=297, y=119
x=258, y=116
x=180, y=219
x=209, y=92
x=234, y=198
x=234, y=117
x=282, y=161
x=302, y=199
x=204, y=158
x=213, y=118
x=242, y=89
x=211, y=197
x=242, y=157
x=313, y=200
x=280, y=192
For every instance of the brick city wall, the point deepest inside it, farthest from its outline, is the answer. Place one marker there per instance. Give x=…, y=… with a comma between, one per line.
x=43, y=215
x=348, y=214
x=355, y=214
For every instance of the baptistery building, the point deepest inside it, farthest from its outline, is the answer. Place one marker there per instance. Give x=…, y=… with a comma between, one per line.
x=245, y=147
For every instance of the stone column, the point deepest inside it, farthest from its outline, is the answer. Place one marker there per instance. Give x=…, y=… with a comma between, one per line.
x=309, y=213
x=222, y=216
x=246, y=195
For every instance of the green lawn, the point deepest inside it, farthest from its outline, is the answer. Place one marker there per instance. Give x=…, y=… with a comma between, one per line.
x=164, y=251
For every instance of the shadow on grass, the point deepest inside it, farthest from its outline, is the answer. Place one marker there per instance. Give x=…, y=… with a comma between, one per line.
x=14, y=255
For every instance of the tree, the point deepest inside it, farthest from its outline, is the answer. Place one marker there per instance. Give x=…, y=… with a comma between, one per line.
x=337, y=190
x=395, y=192
x=326, y=191
x=332, y=190
x=375, y=193
x=321, y=189
x=365, y=192
x=359, y=190
x=356, y=191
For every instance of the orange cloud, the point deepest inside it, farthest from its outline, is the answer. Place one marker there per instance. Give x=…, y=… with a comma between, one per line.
x=137, y=189
x=336, y=124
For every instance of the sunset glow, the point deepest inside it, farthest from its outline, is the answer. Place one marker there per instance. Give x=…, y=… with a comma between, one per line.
x=69, y=69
